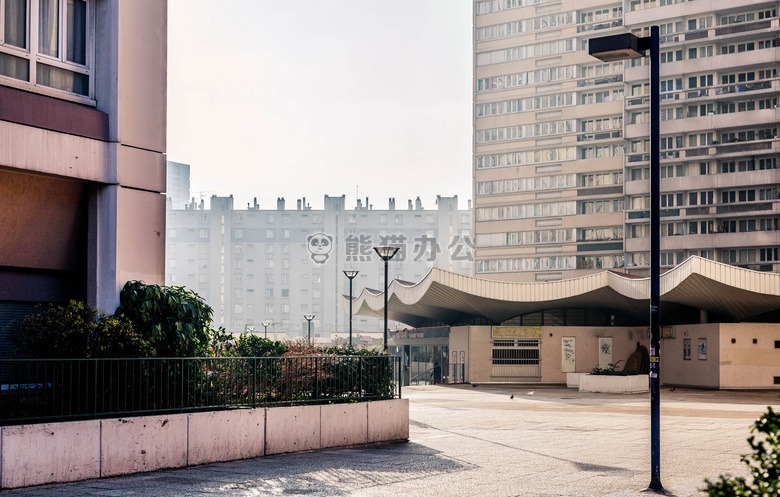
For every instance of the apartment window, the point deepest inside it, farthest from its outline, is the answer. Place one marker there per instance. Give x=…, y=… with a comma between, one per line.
x=285, y=292
x=269, y=278
x=54, y=53
x=269, y=293
x=269, y=234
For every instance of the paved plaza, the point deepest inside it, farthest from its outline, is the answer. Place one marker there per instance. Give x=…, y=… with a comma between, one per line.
x=468, y=441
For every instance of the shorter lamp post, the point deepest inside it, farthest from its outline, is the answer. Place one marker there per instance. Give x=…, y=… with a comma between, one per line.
x=386, y=252
x=308, y=318
x=350, y=273
x=266, y=324
x=251, y=330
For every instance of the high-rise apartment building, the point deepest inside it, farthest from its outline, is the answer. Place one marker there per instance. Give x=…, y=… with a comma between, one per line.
x=254, y=265
x=561, y=161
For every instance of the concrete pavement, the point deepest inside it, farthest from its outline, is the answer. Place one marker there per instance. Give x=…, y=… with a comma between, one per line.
x=478, y=441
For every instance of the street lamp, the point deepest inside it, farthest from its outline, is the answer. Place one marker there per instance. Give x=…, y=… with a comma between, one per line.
x=308, y=318
x=350, y=273
x=621, y=47
x=386, y=253
x=251, y=330
x=266, y=324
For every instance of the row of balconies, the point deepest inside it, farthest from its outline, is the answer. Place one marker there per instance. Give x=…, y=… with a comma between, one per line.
x=708, y=241
x=710, y=122
x=715, y=93
x=671, y=12
x=706, y=182
x=717, y=63
x=720, y=151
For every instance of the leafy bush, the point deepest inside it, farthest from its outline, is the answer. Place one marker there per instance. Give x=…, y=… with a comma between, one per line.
x=176, y=322
x=247, y=345
x=76, y=330
x=763, y=463
x=611, y=370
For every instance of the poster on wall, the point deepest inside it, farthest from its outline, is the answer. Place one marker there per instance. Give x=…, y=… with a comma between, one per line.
x=702, y=349
x=568, y=351
x=686, y=349
x=605, y=352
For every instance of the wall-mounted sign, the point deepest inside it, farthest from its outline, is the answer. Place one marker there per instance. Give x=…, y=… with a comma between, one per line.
x=517, y=331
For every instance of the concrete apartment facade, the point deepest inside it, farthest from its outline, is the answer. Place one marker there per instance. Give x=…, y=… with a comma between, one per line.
x=561, y=161
x=254, y=265
x=82, y=150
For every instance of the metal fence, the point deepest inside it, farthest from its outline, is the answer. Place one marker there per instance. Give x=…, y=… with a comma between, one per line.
x=68, y=389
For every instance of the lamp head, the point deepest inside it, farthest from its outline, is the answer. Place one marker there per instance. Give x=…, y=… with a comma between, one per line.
x=386, y=252
x=308, y=317
x=351, y=273
x=616, y=47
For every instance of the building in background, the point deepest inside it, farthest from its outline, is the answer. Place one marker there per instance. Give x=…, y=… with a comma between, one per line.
x=82, y=150
x=561, y=160
x=253, y=265
x=177, y=181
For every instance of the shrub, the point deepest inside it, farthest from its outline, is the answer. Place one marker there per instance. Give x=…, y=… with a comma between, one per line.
x=254, y=346
x=611, y=370
x=76, y=330
x=176, y=322
x=763, y=463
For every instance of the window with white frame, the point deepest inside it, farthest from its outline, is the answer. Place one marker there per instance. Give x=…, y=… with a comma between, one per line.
x=54, y=53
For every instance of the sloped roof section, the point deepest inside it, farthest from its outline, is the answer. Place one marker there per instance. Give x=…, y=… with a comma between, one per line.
x=451, y=298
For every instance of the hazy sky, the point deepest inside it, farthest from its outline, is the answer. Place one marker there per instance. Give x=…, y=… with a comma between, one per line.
x=311, y=97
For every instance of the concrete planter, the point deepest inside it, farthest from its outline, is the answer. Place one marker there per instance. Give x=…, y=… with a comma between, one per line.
x=78, y=450
x=615, y=384
x=573, y=379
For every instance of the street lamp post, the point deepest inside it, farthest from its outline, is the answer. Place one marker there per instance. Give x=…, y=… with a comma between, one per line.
x=350, y=273
x=251, y=330
x=629, y=46
x=386, y=253
x=266, y=324
x=308, y=318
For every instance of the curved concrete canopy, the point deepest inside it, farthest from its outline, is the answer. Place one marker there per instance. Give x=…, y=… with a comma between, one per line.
x=450, y=298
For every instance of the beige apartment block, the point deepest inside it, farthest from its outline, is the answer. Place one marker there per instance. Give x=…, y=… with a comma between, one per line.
x=561, y=162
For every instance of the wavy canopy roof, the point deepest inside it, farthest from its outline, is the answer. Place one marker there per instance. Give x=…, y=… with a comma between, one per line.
x=450, y=298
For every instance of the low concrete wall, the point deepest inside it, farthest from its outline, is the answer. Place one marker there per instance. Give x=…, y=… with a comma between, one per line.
x=614, y=384
x=147, y=443
x=61, y=452
x=225, y=436
x=292, y=429
x=38, y=454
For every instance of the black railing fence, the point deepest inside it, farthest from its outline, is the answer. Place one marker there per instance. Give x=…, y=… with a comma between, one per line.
x=39, y=390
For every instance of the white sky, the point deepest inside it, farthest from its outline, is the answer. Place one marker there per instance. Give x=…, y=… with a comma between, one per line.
x=302, y=98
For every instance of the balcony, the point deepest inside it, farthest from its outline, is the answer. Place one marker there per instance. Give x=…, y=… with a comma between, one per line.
x=687, y=9
x=597, y=26
x=706, y=242
x=706, y=64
